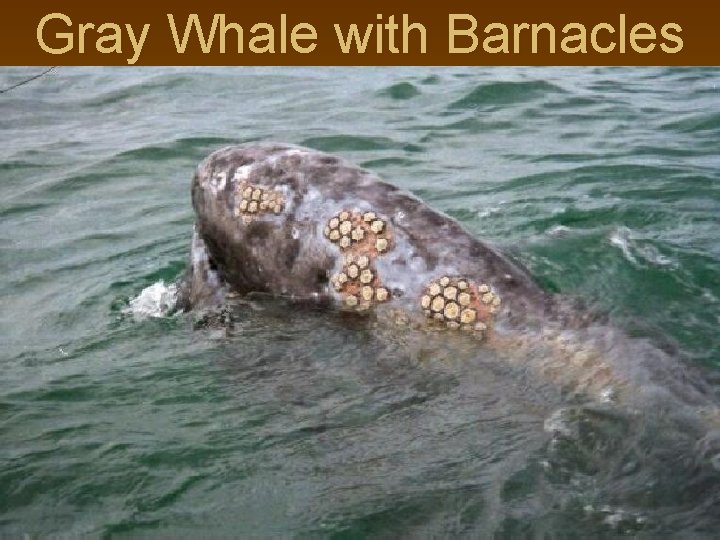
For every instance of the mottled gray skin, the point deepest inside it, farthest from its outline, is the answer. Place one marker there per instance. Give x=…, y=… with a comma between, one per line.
x=288, y=255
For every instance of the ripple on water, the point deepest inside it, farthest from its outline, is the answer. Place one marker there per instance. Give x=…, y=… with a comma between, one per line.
x=498, y=94
x=402, y=90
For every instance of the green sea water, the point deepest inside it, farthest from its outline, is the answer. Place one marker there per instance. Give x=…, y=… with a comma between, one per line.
x=604, y=182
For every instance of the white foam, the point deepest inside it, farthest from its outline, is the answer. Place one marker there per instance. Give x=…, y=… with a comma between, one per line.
x=620, y=238
x=558, y=230
x=154, y=301
x=624, y=239
x=557, y=424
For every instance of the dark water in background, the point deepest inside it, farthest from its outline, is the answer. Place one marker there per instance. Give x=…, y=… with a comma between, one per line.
x=604, y=182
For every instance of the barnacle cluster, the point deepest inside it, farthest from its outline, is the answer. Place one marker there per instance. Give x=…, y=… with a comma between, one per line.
x=359, y=283
x=359, y=232
x=456, y=302
x=362, y=237
x=253, y=200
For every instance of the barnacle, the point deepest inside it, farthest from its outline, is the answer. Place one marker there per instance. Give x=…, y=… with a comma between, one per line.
x=450, y=293
x=345, y=227
x=377, y=226
x=367, y=293
x=362, y=237
x=366, y=276
x=339, y=280
x=451, y=310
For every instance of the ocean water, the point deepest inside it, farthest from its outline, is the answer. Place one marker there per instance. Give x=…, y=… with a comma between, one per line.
x=121, y=418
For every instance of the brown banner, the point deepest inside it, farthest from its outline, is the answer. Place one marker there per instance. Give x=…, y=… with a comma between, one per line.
x=460, y=32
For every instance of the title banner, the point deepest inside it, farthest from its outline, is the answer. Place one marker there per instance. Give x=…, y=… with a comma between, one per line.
x=360, y=33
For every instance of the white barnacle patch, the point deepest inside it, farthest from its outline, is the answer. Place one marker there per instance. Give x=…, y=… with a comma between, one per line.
x=242, y=173
x=295, y=152
x=361, y=237
x=359, y=232
x=217, y=182
x=460, y=304
x=257, y=200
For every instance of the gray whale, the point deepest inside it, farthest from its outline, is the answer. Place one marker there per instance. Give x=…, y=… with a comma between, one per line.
x=296, y=223
x=296, y=248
